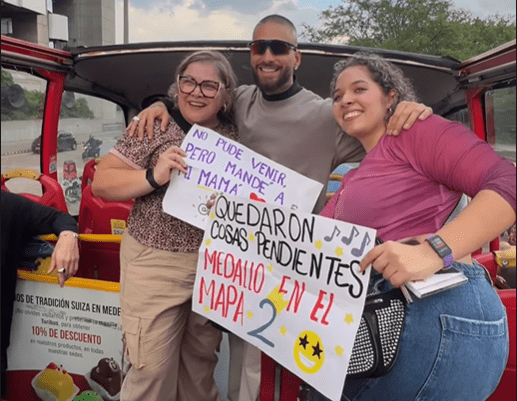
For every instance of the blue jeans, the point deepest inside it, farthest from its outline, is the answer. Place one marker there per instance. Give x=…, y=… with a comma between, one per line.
x=454, y=347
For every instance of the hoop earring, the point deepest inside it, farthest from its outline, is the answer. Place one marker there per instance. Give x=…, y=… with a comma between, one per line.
x=225, y=108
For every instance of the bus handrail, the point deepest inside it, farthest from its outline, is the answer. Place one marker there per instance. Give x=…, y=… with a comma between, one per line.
x=88, y=237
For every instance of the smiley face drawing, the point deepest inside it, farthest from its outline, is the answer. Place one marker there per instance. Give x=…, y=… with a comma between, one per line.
x=308, y=352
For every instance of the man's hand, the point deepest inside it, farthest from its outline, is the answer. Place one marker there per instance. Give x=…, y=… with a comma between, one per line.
x=145, y=120
x=65, y=257
x=405, y=116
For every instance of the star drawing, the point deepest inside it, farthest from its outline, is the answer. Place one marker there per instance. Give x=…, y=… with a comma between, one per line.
x=317, y=350
x=304, y=342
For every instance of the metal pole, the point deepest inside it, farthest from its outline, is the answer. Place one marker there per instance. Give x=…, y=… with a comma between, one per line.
x=126, y=21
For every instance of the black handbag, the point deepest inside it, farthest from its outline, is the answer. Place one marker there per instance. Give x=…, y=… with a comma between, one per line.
x=377, y=341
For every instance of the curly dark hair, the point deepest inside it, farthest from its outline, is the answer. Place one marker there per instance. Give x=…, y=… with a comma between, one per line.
x=386, y=74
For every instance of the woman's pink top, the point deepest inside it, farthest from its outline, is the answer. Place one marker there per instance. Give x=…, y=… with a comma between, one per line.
x=410, y=184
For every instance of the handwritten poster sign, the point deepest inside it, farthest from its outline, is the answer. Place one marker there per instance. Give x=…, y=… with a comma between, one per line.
x=287, y=282
x=218, y=164
x=64, y=341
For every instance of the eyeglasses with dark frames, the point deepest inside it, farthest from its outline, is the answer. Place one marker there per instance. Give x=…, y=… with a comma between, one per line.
x=209, y=89
x=277, y=47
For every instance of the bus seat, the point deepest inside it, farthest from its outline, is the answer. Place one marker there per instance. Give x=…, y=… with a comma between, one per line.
x=88, y=173
x=99, y=260
x=335, y=179
x=52, y=192
x=99, y=216
x=104, y=212
x=489, y=262
x=288, y=386
x=333, y=185
x=506, y=390
x=267, y=378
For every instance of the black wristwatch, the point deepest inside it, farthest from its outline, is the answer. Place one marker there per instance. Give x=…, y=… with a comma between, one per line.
x=442, y=249
x=149, y=176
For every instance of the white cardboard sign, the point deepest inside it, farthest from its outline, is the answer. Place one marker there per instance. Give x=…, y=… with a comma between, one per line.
x=218, y=164
x=286, y=282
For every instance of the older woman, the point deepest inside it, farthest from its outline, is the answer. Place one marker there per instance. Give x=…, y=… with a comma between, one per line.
x=455, y=343
x=171, y=349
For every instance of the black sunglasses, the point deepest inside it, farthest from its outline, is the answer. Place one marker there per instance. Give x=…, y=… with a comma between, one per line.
x=277, y=47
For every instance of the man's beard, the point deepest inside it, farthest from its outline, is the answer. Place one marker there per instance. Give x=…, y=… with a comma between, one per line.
x=273, y=86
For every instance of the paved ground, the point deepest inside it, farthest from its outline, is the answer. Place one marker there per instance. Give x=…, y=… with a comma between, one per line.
x=14, y=148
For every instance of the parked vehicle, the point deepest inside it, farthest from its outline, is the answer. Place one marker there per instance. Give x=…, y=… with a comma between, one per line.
x=129, y=77
x=65, y=141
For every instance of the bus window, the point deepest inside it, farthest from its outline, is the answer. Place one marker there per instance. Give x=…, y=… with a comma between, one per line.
x=23, y=97
x=500, y=117
x=461, y=116
x=88, y=128
x=500, y=122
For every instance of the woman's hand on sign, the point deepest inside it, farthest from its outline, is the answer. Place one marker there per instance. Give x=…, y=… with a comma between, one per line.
x=172, y=158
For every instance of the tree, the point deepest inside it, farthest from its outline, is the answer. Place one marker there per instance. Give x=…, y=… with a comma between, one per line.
x=420, y=26
x=34, y=104
x=80, y=109
x=7, y=79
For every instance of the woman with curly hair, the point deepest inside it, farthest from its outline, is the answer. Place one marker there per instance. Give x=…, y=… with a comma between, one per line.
x=454, y=344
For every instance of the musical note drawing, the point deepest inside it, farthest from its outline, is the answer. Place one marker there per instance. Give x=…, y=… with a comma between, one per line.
x=348, y=240
x=331, y=237
x=357, y=252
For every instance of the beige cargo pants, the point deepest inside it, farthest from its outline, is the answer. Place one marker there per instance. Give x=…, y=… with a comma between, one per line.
x=172, y=350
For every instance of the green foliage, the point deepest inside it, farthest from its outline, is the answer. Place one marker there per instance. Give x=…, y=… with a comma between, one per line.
x=420, y=26
x=80, y=109
x=34, y=105
x=32, y=109
x=7, y=78
x=504, y=115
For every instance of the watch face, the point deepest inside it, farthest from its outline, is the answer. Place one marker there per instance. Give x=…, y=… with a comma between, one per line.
x=439, y=246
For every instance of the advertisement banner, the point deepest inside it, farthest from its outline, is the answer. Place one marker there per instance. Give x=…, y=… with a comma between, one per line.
x=66, y=343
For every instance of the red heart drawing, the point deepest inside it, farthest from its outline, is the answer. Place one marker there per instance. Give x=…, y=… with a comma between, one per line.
x=254, y=197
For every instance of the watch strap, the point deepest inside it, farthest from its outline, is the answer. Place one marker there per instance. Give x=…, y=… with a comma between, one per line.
x=448, y=261
x=442, y=249
x=149, y=176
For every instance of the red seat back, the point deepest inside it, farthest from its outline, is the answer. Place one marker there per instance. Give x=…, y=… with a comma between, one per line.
x=88, y=173
x=289, y=385
x=53, y=195
x=488, y=261
x=100, y=260
x=97, y=215
x=506, y=390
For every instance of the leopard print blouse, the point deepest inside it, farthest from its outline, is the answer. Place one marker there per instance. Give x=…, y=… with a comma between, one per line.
x=147, y=222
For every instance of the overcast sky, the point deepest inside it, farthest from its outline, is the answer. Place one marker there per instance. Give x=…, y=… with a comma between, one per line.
x=173, y=20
